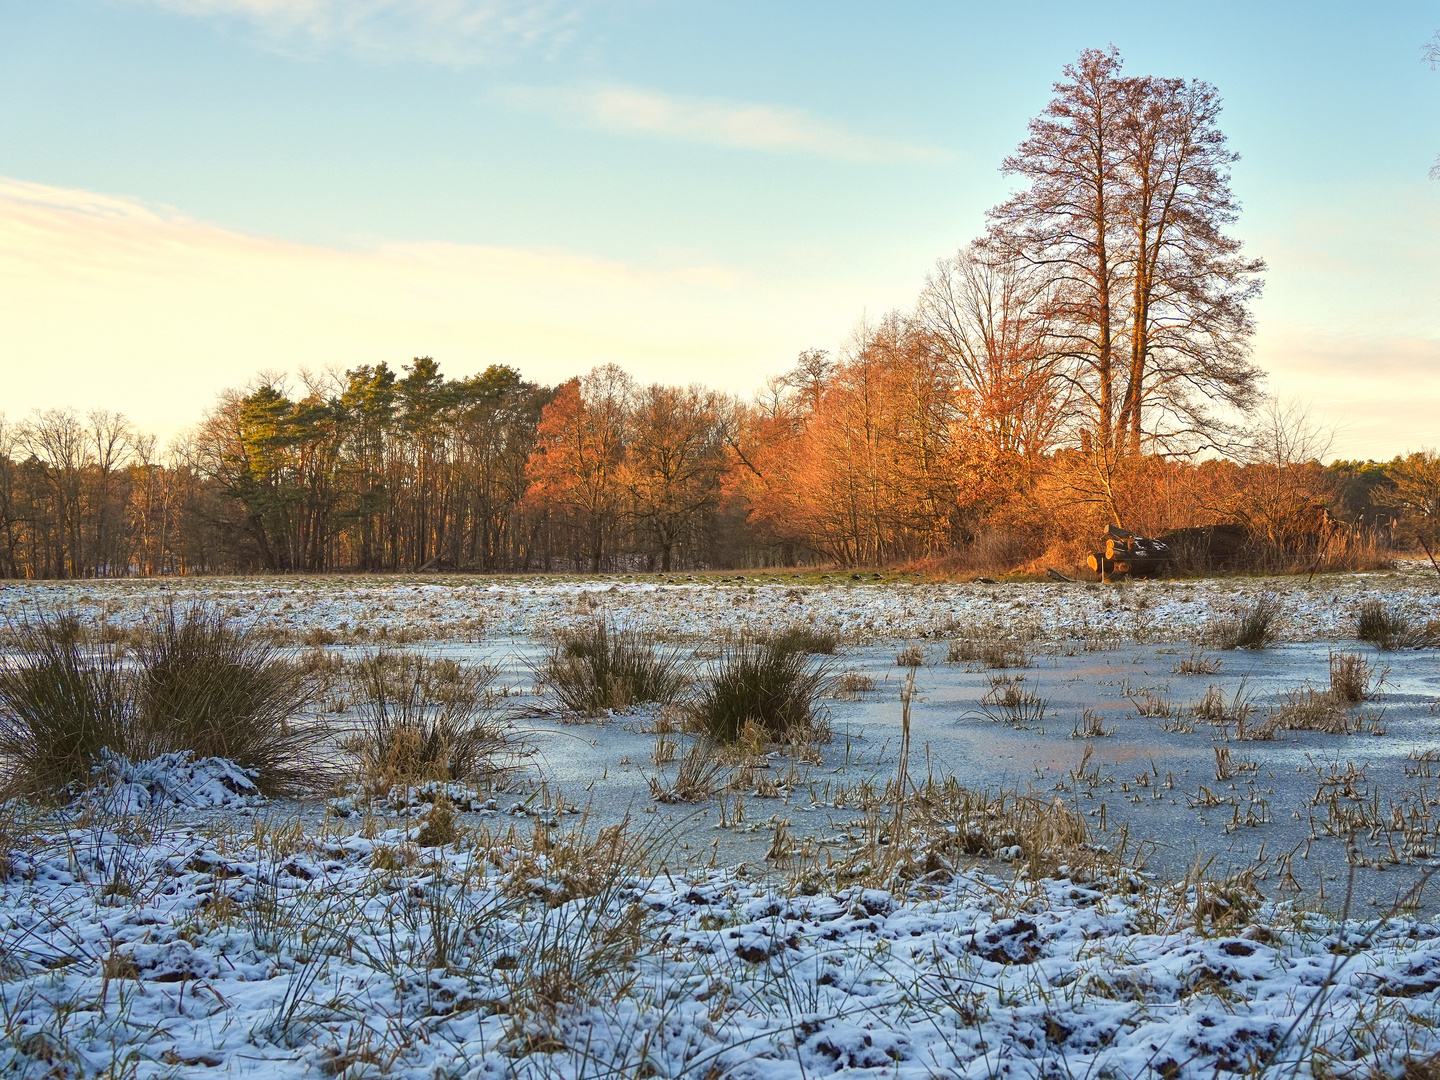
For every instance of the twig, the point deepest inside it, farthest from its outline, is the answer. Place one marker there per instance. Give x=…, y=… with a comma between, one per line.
x=1427, y=552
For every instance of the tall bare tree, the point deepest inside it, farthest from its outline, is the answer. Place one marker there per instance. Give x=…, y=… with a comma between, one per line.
x=1190, y=287
x=1125, y=210
x=1063, y=224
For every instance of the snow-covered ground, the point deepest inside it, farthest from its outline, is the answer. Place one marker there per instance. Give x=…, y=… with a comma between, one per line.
x=161, y=949
x=413, y=608
x=176, y=924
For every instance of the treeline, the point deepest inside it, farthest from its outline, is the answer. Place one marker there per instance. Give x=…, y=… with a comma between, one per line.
x=858, y=461
x=1085, y=360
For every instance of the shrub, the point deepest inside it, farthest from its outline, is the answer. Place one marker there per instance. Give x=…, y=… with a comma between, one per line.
x=426, y=720
x=218, y=691
x=1253, y=629
x=761, y=682
x=60, y=705
x=595, y=668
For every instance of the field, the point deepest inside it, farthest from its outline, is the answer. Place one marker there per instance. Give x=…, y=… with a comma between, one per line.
x=1030, y=829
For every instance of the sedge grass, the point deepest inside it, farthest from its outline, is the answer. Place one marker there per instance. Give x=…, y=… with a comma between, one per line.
x=761, y=683
x=595, y=669
x=205, y=686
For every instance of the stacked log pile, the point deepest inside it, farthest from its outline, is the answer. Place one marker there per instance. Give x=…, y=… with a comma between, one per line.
x=1208, y=547
x=1127, y=554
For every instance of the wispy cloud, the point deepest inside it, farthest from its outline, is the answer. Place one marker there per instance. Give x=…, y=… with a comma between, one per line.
x=636, y=111
x=142, y=309
x=439, y=31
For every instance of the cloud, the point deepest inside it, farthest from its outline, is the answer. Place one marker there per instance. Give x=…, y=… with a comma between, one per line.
x=1381, y=390
x=113, y=303
x=455, y=32
x=636, y=111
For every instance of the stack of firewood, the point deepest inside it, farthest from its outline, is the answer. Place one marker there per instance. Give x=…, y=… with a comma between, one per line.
x=1129, y=555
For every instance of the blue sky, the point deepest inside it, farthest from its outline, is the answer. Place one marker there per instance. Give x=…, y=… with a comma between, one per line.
x=195, y=190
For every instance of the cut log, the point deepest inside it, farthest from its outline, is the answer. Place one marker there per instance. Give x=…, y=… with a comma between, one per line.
x=1101, y=563
x=1057, y=575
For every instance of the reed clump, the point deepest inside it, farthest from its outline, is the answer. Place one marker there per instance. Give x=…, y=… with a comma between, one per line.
x=595, y=668
x=423, y=719
x=764, y=683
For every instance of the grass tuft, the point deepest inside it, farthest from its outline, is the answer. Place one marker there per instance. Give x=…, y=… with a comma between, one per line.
x=217, y=691
x=196, y=684
x=990, y=652
x=1197, y=663
x=1350, y=677
x=1389, y=628
x=1010, y=701
x=426, y=720
x=596, y=668
x=805, y=638
x=763, y=683
x=60, y=705
x=1253, y=629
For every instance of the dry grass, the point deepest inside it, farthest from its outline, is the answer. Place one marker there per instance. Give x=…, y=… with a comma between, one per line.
x=804, y=638
x=945, y=824
x=1308, y=709
x=1091, y=725
x=597, y=669
x=699, y=776
x=990, y=652
x=1010, y=701
x=912, y=656
x=1253, y=629
x=1351, y=677
x=1197, y=663
x=1149, y=703
x=425, y=720
x=850, y=685
x=1239, y=710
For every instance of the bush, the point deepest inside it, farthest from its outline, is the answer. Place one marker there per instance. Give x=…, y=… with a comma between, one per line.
x=761, y=682
x=426, y=720
x=60, y=705
x=204, y=686
x=597, y=668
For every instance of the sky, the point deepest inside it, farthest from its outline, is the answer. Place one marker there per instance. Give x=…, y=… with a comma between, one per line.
x=193, y=192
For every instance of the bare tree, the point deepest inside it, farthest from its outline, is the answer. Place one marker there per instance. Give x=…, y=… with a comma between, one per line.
x=1190, y=287
x=1063, y=223
x=1124, y=214
x=1432, y=57
x=987, y=320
